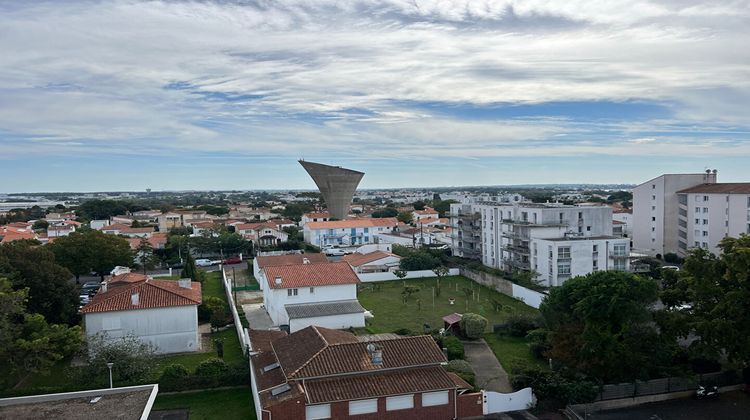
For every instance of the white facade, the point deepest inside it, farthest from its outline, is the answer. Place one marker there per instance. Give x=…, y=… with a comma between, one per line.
x=334, y=322
x=705, y=218
x=171, y=329
x=529, y=237
x=466, y=230
x=275, y=300
x=656, y=208
x=343, y=236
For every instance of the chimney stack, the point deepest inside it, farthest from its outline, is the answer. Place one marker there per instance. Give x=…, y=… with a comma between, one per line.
x=104, y=287
x=305, y=260
x=134, y=298
x=277, y=280
x=185, y=283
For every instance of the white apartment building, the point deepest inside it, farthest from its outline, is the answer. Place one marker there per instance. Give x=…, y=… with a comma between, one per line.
x=710, y=212
x=466, y=230
x=349, y=232
x=556, y=241
x=656, y=209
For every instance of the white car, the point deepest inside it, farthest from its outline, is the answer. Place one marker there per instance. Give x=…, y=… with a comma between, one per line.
x=203, y=262
x=335, y=252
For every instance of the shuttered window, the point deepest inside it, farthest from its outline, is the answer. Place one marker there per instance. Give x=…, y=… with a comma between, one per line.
x=434, y=398
x=399, y=403
x=320, y=411
x=363, y=406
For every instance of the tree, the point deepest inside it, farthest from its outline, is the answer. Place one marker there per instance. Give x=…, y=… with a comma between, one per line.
x=473, y=325
x=711, y=297
x=419, y=205
x=144, y=255
x=133, y=359
x=405, y=217
x=50, y=290
x=420, y=260
x=190, y=270
x=440, y=271
x=385, y=212
x=27, y=342
x=443, y=207
x=101, y=209
x=601, y=325
x=92, y=250
x=40, y=224
x=409, y=290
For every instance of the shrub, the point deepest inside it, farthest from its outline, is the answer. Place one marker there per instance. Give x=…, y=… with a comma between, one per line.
x=553, y=388
x=212, y=367
x=454, y=346
x=538, y=343
x=210, y=305
x=473, y=325
x=463, y=369
x=174, y=371
x=673, y=258
x=518, y=325
x=404, y=331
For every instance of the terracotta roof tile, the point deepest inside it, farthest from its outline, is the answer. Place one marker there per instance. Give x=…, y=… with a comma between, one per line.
x=395, y=382
x=151, y=294
x=720, y=188
x=312, y=274
x=289, y=259
x=261, y=339
x=358, y=259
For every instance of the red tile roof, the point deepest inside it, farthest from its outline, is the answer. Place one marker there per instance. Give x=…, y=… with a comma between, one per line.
x=353, y=223
x=261, y=339
x=289, y=259
x=720, y=188
x=312, y=274
x=151, y=294
x=357, y=259
x=314, y=352
x=128, y=278
x=380, y=384
x=452, y=318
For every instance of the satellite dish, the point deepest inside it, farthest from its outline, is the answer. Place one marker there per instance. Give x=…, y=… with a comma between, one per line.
x=371, y=347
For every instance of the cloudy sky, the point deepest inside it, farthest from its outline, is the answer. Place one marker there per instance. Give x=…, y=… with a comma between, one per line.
x=125, y=95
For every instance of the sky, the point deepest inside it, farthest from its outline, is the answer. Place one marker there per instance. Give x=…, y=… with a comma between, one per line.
x=128, y=94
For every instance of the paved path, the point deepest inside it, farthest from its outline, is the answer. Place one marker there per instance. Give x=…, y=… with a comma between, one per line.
x=490, y=375
x=257, y=317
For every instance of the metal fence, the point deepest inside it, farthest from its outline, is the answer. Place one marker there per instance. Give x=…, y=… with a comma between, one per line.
x=667, y=385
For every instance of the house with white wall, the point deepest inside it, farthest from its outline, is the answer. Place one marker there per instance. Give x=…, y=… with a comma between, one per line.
x=262, y=261
x=321, y=294
x=163, y=313
x=372, y=262
x=265, y=233
x=348, y=232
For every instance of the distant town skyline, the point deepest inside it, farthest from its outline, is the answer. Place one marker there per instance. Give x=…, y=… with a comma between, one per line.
x=217, y=95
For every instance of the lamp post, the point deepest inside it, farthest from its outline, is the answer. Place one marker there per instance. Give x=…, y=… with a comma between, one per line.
x=109, y=365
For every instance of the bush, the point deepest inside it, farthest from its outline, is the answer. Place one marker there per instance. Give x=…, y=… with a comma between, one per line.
x=212, y=367
x=420, y=260
x=553, y=388
x=454, y=346
x=236, y=375
x=673, y=258
x=133, y=360
x=175, y=371
x=518, y=325
x=404, y=331
x=473, y=325
x=538, y=343
x=463, y=369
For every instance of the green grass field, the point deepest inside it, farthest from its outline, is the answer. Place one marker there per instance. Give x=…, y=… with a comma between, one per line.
x=511, y=350
x=212, y=286
x=385, y=301
x=232, y=352
x=227, y=404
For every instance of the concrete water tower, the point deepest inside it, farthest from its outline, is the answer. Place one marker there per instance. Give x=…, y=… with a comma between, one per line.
x=337, y=185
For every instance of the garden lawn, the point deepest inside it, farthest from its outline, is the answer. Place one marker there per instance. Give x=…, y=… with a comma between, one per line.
x=511, y=350
x=232, y=353
x=212, y=286
x=385, y=301
x=227, y=404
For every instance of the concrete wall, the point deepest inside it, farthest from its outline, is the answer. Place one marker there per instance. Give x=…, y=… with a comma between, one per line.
x=496, y=402
x=417, y=274
x=171, y=330
x=336, y=322
x=506, y=287
x=241, y=331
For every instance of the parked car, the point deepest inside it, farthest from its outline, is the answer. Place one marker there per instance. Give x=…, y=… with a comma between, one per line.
x=203, y=262
x=84, y=299
x=670, y=267
x=335, y=252
x=233, y=260
x=90, y=288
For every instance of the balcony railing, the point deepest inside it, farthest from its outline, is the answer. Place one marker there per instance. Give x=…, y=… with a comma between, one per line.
x=524, y=265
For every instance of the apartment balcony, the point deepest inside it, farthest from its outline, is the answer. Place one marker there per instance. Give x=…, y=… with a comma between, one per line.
x=519, y=249
x=523, y=265
x=515, y=235
x=619, y=255
x=342, y=235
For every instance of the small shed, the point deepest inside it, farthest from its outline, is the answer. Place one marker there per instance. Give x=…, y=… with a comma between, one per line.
x=452, y=323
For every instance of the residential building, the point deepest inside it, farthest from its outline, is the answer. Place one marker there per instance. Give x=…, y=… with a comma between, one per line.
x=163, y=313
x=656, y=211
x=426, y=213
x=264, y=233
x=157, y=240
x=57, y=231
x=554, y=241
x=319, y=373
x=262, y=261
x=466, y=237
x=322, y=294
x=179, y=219
x=16, y=232
x=622, y=222
x=347, y=232
x=126, y=230
x=317, y=216
x=711, y=212
x=372, y=262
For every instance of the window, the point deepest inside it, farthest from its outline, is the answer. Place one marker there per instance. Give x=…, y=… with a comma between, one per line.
x=363, y=406
x=705, y=221
x=292, y=292
x=596, y=248
x=653, y=208
x=697, y=243
x=704, y=245
x=653, y=229
x=563, y=253
x=580, y=215
x=563, y=268
x=697, y=209
x=588, y=228
x=705, y=233
x=561, y=217
x=320, y=411
x=619, y=265
x=595, y=263
x=705, y=209
x=705, y=198
x=697, y=232
x=312, y=290
x=434, y=398
x=400, y=402
x=549, y=248
x=653, y=197
x=619, y=250
x=653, y=186
x=697, y=221
x=653, y=218
x=367, y=230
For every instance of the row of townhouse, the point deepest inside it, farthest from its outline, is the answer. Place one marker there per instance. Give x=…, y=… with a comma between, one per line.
x=349, y=232
x=673, y=213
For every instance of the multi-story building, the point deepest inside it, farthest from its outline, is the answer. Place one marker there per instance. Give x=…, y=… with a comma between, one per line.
x=553, y=240
x=710, y=212
x=347, y=232
x=466, y=235
x=656, y=211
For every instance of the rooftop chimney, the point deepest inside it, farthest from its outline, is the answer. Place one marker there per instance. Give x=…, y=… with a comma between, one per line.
x=277, y=280
x=305, y=260
x=104, y=287
x=134, y=298
x=376, y=354
x=185, y=283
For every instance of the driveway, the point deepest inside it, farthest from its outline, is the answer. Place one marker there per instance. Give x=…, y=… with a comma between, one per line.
x=257, y=317
x=490, y=375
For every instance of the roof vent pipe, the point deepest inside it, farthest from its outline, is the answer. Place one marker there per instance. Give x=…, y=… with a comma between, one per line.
x=134, y=298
